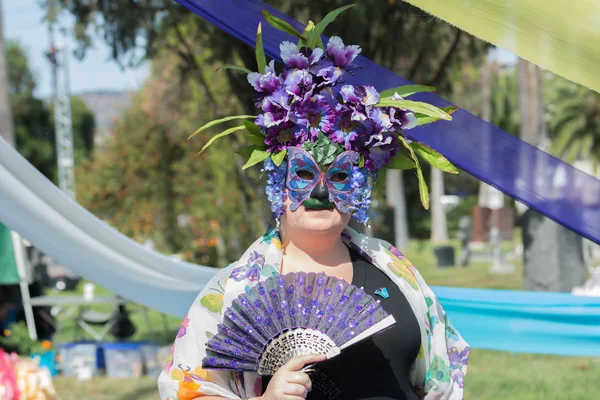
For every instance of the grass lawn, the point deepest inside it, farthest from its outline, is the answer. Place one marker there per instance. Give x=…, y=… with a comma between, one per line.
x=492, y=374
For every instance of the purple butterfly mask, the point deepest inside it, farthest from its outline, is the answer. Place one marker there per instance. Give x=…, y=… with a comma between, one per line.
x=337, y=178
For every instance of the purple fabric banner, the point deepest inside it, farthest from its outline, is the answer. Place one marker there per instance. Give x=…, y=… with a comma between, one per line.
x=542, y=182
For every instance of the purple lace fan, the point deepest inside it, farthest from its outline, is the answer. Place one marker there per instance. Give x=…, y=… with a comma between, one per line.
x=291, y=315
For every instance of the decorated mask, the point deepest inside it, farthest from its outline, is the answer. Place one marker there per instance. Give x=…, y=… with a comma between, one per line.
x=321, y=138
x=304, y=175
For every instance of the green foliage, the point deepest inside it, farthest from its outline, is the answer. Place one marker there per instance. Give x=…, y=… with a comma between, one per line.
x=573, y=120
x=315, y=34
x=261, y=60
x=406, y=90
x=17, y=338
x=282, y=25
x=323, y=150
x=34, y=120
x=434, y=158
x=417, y=107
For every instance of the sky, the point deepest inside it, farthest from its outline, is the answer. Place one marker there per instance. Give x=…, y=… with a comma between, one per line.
x=23, y=22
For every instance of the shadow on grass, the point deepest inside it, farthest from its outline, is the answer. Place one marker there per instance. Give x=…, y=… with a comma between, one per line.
x=140, y=392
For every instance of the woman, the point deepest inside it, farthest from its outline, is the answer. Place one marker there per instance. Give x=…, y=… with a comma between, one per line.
x=324, y=145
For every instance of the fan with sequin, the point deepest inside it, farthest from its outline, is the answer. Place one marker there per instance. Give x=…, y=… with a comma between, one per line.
x=291, y=315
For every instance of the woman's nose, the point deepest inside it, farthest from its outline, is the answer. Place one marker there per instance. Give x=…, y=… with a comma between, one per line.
x=320, y=192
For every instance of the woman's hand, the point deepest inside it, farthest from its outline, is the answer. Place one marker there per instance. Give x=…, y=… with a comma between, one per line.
x=289, y=382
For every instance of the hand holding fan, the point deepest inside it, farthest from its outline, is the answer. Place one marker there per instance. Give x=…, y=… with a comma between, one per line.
x=290, y=315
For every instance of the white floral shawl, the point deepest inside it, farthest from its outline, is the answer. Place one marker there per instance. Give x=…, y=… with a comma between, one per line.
x=437, y=373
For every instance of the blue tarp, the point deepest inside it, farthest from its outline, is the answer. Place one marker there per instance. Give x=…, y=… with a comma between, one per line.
x=528, y=322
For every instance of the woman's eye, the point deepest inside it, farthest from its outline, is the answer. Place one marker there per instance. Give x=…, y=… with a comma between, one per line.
x=306, y=175
x=339, y=177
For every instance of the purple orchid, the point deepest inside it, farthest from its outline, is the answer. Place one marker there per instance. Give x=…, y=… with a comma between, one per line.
x=294, y=57
x=402, y=119
x=299, y=84
x=360, y=99
x=341, y=55
x=267, y=82
x=382, y=152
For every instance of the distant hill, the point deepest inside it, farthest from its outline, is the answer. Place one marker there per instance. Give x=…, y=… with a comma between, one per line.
x=106, y=106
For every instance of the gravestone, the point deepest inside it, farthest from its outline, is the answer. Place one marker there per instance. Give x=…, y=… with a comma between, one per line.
x=553, y=255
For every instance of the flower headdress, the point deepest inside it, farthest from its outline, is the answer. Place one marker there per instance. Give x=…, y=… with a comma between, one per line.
x=307, y=106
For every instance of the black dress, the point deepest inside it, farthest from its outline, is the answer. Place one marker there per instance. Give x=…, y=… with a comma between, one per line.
x=376, y=368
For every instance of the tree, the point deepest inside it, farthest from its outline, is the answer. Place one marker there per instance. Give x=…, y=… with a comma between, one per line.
x=6, y=124
x=34, y=119
x=393, y=33
x=574, y=121
x=149, y=183
x=553, y=255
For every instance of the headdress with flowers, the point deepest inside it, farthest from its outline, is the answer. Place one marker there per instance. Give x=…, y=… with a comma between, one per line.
x=306, y=104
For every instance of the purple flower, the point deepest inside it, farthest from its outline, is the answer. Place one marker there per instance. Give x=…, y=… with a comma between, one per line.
x=381, y=118
x=360, y=99
x=327, y=72
x=318, y=116
x=359, y=94
x=341, y=55
x=402, y=119
x=299, y=84
x=267, y=82
x=299, y=58
x=345, y=129
x=283, y=136
x=275, y=188
x=382, y=152
x=250, y=270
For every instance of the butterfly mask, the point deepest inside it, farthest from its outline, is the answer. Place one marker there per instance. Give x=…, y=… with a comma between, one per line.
x=304, y=175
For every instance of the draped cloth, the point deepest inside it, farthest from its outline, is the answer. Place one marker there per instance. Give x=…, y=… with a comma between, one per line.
x=438, y=372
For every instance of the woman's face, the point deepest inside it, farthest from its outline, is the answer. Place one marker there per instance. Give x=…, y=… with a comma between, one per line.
x=315, y=221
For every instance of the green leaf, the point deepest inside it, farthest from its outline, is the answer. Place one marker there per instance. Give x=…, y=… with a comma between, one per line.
x=423, y=119
x=401, y=162
x=406, y=90
x=415, y=106
x=246, y=152
x=280, y=24
x=434, y=158
x=256, y=157
x=235, y=67
x=309, y=28
x=259, y=142
x=315, y=34
x=220, y=121
x=423, y=190
x=278, y=158
x=261, y=59
x=220, y=135
x=361, y=163
x=253, y=129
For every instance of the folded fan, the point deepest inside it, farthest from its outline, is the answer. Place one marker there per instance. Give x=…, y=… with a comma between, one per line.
x=291, y=315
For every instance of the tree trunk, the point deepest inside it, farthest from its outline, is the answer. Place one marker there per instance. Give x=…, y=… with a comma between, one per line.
x=394, y=181
x=439, y=229
x=553, y=255
x=6, y=120
x=486, y=115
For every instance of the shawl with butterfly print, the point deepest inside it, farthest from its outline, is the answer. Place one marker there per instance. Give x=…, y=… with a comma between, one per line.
x=437, y=373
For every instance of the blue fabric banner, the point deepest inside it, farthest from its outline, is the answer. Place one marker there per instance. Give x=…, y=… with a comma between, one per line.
x=545, y=183
x=524, y=322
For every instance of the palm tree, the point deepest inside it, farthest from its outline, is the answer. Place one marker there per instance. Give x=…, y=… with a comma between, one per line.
x=573, y=114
